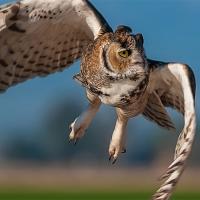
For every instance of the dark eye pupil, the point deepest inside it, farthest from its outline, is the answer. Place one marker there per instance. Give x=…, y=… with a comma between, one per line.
x=125, y=53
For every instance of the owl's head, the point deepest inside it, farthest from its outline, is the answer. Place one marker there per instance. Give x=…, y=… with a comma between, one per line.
x=123, y=55
x=112, y=58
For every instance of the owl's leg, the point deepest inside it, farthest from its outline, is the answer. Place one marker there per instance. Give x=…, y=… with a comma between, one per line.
x=81, y=123
x=117, y=144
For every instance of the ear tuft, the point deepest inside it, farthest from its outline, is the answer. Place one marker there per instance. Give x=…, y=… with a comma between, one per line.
x=139, y=40
x=123, y=28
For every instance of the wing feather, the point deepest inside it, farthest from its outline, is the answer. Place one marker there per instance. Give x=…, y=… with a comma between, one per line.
x=39, y=37
x=175, y=84
x=155, y=111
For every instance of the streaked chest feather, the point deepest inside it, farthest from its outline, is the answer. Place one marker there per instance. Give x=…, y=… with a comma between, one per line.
x=122, y=92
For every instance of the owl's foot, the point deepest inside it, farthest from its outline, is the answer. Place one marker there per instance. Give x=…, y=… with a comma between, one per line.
x=77, y=128
x=115, y=149
x=117, y=144
x=81, y=123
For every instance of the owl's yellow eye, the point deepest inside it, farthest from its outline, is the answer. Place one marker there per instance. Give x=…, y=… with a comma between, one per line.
x=124, y=53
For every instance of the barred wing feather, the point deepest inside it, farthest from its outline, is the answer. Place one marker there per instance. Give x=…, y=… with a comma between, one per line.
x=39, y=37
x=175, y=84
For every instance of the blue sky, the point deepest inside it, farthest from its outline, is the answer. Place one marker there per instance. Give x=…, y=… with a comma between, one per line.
x=171, y=33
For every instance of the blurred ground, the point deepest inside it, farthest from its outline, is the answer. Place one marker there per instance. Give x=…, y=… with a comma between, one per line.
x=59, y=182
x=110, y=178
x=117, y=195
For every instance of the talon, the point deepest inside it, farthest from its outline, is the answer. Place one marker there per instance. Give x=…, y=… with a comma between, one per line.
x=110, y=157
x=76, y=141
x=123, y=151
x=114, y=161
x=77, y=129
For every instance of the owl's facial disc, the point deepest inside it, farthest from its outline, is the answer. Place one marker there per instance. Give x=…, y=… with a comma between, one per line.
x=125, y=56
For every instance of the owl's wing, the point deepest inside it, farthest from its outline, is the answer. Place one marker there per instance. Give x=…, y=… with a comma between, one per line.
x=39, y=37
x=174, y=83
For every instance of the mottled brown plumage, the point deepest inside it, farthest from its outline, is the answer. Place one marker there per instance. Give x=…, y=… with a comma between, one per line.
x=39, y=37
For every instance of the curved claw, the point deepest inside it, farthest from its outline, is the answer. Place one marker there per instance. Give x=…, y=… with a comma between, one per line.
x=123, y=151
x=73, y=140
x=114, y=153
x=112, y=159
x=70, y=127
x=76, y=141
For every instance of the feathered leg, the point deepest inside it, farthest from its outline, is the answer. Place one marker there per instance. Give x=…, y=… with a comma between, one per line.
x=117, y=144
x=81, y=123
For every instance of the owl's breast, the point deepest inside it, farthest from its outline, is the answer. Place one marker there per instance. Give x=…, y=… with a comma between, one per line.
x=124, y=92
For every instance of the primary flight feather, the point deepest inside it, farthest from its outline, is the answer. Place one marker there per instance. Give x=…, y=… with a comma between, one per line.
x=39, y=37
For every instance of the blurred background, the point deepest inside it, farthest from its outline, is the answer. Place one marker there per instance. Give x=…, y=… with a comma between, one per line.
x=34, y=148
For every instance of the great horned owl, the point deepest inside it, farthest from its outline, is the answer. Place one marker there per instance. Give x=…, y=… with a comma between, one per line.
x=39, y=37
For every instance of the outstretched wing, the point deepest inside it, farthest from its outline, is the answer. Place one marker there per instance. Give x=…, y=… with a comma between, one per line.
x=39, y=37
x=175, y=85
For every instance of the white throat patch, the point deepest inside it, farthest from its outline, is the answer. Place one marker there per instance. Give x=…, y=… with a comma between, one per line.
x=117, y=89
